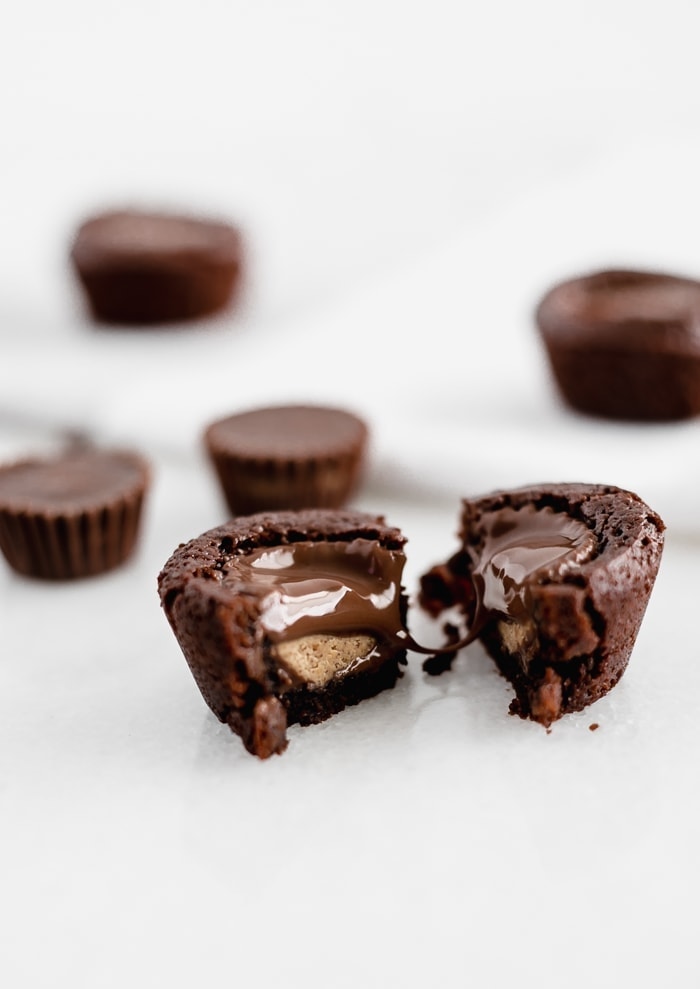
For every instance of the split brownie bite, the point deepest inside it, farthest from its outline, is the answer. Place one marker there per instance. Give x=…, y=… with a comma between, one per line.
x=288, y=617
x=140, y=267
x=625, y=344
x=554, y=580
x=76, y=514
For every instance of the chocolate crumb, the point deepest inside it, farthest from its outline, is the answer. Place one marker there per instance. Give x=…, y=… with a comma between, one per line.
x=442, y=661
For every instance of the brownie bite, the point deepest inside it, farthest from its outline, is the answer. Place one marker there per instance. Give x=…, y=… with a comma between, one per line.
x=625, y=344
x=73, y=515
x=287, y=457
x=140, y=267
x=554, y=580
x=288, y=617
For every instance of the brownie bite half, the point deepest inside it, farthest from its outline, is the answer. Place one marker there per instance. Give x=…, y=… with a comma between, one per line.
x=624, y=344
x=554, y=580
x=288, y=617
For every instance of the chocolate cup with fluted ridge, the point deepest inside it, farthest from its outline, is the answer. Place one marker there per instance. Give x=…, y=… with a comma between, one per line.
x=287, y=457
x=624, y=344
x=140, y=267
x=74, y=515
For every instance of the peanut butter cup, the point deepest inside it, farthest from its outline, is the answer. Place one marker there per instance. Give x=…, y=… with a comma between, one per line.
x=73, y=515
x=288, y=617
x=554, y=580
x=287, y=457
x=625, y=344
x=142, y=267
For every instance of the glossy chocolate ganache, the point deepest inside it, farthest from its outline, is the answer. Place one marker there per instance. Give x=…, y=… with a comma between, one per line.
x=515, y=545
x=334, y=608
x=330, y=608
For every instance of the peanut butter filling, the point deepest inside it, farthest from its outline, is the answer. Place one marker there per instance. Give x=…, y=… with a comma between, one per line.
x=317, y=659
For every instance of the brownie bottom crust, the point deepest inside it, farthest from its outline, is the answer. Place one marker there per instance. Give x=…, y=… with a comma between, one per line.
x=264, y=729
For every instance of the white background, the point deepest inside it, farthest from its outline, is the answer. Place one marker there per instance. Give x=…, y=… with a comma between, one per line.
x=409, y=178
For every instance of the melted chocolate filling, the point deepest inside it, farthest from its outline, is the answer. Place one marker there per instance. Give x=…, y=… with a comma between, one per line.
x=328, y=588
x=339, y=589
x=350, y=588
x=515, y=545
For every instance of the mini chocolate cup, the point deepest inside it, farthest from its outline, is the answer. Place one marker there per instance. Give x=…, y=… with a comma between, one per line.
x=72, y=516
x=623, y=344
x=149, y=268
x=287, y=457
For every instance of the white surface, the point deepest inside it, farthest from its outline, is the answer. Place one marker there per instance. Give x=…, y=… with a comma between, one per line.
x=410, y=180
